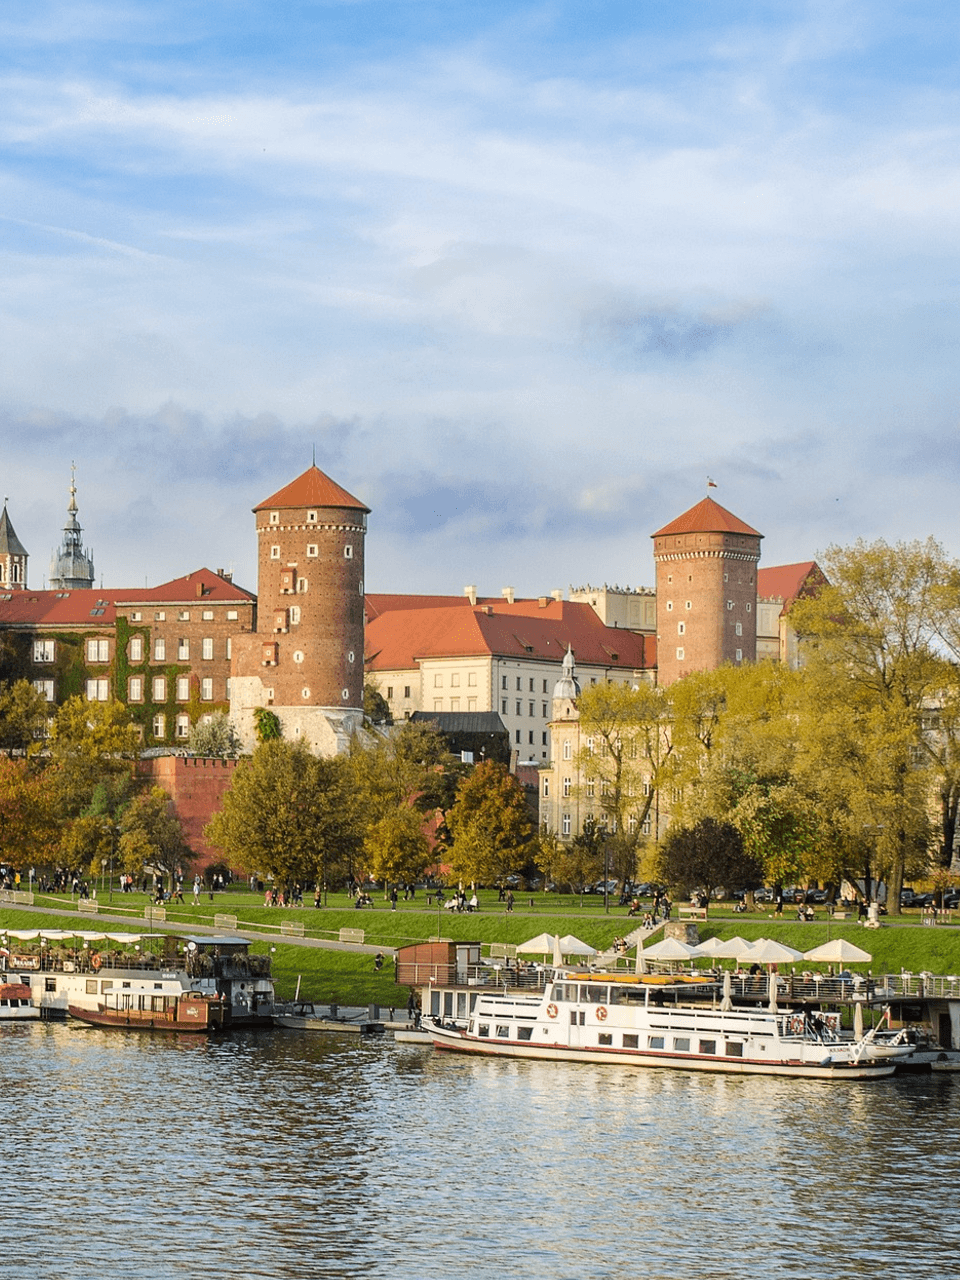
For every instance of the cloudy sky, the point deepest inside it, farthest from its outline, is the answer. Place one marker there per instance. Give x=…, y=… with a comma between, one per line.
x=523, y=274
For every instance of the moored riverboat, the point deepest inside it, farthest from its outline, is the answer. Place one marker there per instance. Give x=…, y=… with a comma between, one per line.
x=16, y=1003
x=585, y=1018
x=193, y=1014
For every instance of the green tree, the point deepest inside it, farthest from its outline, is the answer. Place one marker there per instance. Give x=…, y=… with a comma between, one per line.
x=395, y=847
x=93, y=747
x=23, y=717
x=151, y=835
x=493, y=836
x=288, y=814
x=29, y=830
x=376, y=709
x=872, y=644
x=214, y=736
x=268, y=726
x=706, y=856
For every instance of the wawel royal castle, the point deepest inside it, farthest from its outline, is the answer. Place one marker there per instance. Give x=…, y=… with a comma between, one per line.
x=303, y=644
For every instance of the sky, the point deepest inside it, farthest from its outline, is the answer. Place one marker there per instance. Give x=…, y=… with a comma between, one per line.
x=523, y=276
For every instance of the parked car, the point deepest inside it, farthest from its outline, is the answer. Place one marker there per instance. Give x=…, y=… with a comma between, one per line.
x=951, y=899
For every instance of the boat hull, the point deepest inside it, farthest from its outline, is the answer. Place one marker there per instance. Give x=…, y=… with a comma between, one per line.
x=192, y=1016
x=462, y=1042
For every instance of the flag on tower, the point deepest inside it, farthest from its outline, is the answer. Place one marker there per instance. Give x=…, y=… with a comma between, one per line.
x=710, y=483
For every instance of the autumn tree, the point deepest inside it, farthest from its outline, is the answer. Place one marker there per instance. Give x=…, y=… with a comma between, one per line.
x=23, y=717
x=151, y=835
x=875, y=666
x=288, y=814
x=92, y=745
x=376, y=709
x=214, y=736
x=29, y=829
x=492, y=832
x=395, y=848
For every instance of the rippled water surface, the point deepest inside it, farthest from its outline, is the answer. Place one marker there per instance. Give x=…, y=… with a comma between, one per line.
x=288, y=1155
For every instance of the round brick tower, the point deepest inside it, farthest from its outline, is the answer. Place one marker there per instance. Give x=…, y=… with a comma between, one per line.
x=305, y=660
x=706, y=591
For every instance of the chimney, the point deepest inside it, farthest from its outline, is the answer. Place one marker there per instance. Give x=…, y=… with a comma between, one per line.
x=507, y=593
x=199, y=590
x=542, y=601
x=471, y=594
x=557, y=594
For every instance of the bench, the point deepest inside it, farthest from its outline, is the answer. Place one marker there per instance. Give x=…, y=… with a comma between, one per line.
x=154, y=913
x=352, y=935
x=294, y=928
x=224, y=921
x=89, y=905
x=691, y=913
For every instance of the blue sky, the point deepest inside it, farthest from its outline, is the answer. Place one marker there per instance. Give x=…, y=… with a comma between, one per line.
x=523, y=274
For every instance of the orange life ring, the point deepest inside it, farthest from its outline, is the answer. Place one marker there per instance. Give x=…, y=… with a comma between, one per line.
x=96, y=960
x=796, y=1025
x=552, y=1010
x=601, y=1013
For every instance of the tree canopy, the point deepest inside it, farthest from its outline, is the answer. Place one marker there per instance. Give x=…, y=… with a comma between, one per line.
x=493, y=835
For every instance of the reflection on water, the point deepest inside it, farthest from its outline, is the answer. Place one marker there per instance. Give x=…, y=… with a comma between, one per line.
x=295, y=1156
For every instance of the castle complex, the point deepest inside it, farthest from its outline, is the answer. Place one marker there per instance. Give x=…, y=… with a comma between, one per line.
x=302, y=646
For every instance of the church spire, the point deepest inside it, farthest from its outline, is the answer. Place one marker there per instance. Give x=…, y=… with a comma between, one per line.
x=71, y=569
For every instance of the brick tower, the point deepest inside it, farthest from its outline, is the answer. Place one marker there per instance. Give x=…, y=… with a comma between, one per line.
x=305, y=660
x=706, y=591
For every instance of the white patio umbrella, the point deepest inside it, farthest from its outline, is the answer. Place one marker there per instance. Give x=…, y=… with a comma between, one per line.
x=541, y=945
x=23, y=935
x=727, y=1002
x=730, y=949
x=772, y=991
x=669, y=949
x=858, y=1021
x=557, y=956
x=766, y=951
x=572, y=946
x=838, y=951
x=709, y=947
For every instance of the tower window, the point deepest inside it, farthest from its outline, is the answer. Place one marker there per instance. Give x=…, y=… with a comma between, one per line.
x=739, y=655
x=669, y=606
x=275, y=552
x=274, y=517
x=311, y=517
x=729, y=604
x=312, y=551
x=749, y=607
x=689, y=604
x=681, y=628
x=348, y=552
x=739, y=628
x=680, y=655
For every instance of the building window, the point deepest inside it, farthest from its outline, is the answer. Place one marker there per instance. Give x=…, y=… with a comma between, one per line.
x=591, y=786
x=566, y=787
x=389, y=692
x=689, y=604
x=739, y=628
x=183, y=615
x=518, y=737
x=472, y=679
x=348, y=552
x=680, y=655
x=311, y=517
x=207, y=647
x=159, y=649
x=135, y=689
x=503, y=682
x=532, y=710
x=544, y=711
x=135, y=617
x=739, y=655
x=681, y=628
x=567, y=751
x=438, y=704
x=530, y=738
x=313, y=551
x=565, y=824
x=274, y=517
x=207, y=615
x=519, y=705
x=645, y=826
x=302, y=586
x=546, y=787
x=45, y=689
x=437, y=680
x=229, y=652
x=275, y=552
x=136, y=648
x=183, y=726
x=455, y=680
x=160, y=616
x=519, y=684
x=183, y=649
x=471, y=704
x=293, y=613
x=531, y=686
x=98, y=690
x=160, y=726
x=749, y=607
x=206, y=689
x=98, y=651
x=503, y=706
x=227, y=688
x=406, y=691
x=669, y=606
x=183, y=688
x=159, y=688
x=454, y=704
x=729, y=604
x=543, y=738
x=43, y=650
x=545, y=690
x=232, y=615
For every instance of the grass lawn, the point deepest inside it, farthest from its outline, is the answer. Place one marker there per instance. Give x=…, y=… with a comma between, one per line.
x=349, y=978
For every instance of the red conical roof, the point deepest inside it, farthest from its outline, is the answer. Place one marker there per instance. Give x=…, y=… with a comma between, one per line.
x=707, y=517
x=312, y=489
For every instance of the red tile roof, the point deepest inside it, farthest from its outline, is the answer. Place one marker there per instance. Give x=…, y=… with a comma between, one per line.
x=398, y=639
x=788, y=581
x=312, y=489
x=386, y=602
x=97, y=607
x=707, y=517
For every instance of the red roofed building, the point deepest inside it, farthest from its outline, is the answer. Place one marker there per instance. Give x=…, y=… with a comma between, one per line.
x=777, y=588
x=500, y=654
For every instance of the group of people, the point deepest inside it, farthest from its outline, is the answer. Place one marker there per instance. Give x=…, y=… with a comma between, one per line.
x=662, y=906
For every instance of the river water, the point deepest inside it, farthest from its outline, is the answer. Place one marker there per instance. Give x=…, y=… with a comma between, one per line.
x=288, y=1155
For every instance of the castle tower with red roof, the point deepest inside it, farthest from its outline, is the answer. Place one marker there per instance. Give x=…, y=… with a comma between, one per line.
x=706, y=591
x=305, y=661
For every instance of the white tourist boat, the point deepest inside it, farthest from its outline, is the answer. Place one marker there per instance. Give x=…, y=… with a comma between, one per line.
x=16, y=1002
x=644, y=1023
x=88, y=971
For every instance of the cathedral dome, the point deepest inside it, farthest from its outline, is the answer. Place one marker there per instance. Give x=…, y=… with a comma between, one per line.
x=567, y=686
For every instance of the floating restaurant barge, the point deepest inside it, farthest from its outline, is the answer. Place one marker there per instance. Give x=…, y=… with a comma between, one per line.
x=748, y=1025
x=203, y=982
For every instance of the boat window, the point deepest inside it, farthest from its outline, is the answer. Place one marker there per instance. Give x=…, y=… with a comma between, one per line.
x=473, y=1001
x=434, y=1004
x=631, y=1042
x=654, y=1042
x=681, y=1044
x=564, y=992
x=483, y=1029
x=605, y=1038
x=49, y=984
x=503, y=1033
x=734, y=1049
x=708, y=1046
x=461, y=1004
x=524, y=1033
x=448, y=1004
x=90, y=986
x=594, y=994
x=105, y=986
